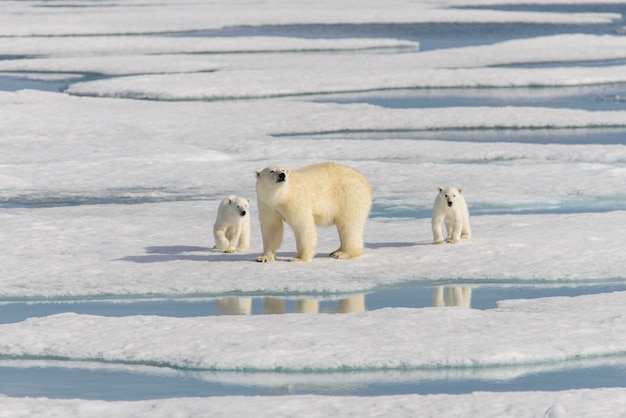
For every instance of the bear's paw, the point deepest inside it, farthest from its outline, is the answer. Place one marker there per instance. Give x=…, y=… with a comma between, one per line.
x=265, y=258
x=342, y=255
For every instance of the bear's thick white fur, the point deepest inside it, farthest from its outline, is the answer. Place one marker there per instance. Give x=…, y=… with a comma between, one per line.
x=317, y=195
x=232, y=226
x=450, y=208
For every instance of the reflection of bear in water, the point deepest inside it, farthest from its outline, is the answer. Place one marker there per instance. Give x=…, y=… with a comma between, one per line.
x=317, y=195
x=450, y=208
x=454, y=296
x=232, y=226
x=234, y=305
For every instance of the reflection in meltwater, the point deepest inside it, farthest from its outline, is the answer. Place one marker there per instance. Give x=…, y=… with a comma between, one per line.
x=272, y=305
x=452, y=296
x=233, y=305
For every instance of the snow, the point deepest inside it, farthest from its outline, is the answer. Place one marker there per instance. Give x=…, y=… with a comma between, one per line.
x=602, y=402
x=126, y=251
x=107, y=198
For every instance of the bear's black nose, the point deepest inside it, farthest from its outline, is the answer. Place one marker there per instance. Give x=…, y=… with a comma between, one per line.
x=281, y=176
x=450, y=204
x=242, y=213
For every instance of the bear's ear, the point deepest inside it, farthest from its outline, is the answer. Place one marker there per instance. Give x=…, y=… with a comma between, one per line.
x=257, y=174
x=248, y=199
x=230, y=201
x=440, y=189
x=460, y=189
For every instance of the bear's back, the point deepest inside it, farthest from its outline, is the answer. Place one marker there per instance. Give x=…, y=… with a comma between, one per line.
x=336, y=191
x=335, y=175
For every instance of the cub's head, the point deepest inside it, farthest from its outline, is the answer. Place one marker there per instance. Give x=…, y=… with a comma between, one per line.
x=450, y=194
x=239, y=204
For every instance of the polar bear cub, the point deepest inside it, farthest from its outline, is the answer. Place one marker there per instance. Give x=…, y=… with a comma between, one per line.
x=232, y=226
x=450, y=208
x=317, y=195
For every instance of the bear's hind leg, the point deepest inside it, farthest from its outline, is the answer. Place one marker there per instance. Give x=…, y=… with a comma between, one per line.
x=306, y=241
x=244, y=236
x=454, y=232
x=466, y=232
x=351, y=239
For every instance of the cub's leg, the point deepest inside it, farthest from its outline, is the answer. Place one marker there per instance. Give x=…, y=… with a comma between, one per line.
x=222, y=240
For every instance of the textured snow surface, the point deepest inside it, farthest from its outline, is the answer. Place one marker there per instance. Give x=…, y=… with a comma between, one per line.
x=107, y=197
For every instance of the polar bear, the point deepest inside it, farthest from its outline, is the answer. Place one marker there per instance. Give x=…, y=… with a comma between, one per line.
x=232, y=226
x=450, y=208
x=316, y=195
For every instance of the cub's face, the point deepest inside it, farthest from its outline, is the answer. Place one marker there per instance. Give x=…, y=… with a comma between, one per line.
x=240, y=204
x=450, y=195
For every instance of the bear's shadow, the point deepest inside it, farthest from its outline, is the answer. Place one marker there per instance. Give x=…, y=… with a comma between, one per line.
x=377, y=245
x=161, y=254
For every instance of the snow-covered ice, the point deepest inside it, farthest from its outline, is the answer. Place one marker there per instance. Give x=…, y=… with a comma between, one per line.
x=103, y=197
x=601, y=402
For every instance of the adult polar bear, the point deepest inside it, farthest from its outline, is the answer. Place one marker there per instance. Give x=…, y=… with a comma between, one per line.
x=316, y=195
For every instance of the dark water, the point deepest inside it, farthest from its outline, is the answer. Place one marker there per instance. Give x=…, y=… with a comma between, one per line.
x=429, y=35
x=15, y=83
x=401, y=296
x=597, y=97
x=100, y=384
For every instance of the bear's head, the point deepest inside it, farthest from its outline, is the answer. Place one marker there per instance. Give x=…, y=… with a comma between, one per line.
x=272, y=183
x=450, y=194
x=239, y=204
x=272, y=174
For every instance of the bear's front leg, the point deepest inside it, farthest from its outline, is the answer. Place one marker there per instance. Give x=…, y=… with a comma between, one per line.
x=222, y=243
x=272, y=232
x=437, y=225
